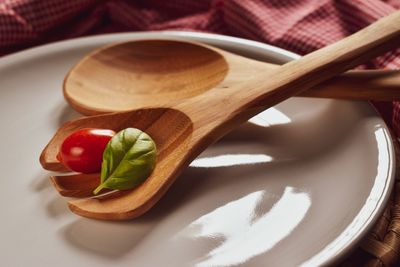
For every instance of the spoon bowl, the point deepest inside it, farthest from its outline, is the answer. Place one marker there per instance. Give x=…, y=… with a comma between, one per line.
x=149, y=73
x=142, y=74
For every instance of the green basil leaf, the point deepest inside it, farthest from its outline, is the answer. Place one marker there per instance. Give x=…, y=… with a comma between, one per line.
x=129, y=158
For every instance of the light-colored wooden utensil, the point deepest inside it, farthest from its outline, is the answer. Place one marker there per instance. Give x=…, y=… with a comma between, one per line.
x=183, y=131
x=76, y=185
x=141, y=74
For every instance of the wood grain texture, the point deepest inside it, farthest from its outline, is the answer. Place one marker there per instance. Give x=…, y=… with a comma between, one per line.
x=76, y=185
x=184, y=130
x=142, y=74
x=379, y=85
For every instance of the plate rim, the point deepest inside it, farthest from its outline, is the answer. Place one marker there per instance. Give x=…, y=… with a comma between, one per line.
x=323, y=259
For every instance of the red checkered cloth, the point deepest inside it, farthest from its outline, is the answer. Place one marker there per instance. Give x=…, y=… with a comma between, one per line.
x=300, y=26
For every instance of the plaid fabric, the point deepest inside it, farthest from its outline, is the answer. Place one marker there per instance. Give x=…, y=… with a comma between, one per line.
x=300, y=26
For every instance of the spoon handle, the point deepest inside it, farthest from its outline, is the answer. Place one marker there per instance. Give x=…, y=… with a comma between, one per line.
x=244, y=100
x=380, y=85
x=299, y=75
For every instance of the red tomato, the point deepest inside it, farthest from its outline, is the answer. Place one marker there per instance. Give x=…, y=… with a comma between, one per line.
x=82, y=151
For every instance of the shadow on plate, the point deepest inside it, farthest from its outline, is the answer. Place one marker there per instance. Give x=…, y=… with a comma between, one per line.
x=40, y=182
x=67, y=114
x=307, y=135
x=55, y=205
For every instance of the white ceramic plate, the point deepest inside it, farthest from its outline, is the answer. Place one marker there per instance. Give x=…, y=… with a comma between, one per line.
x=298, y=185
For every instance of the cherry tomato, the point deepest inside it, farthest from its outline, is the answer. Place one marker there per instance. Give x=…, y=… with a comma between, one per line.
x=82, y=151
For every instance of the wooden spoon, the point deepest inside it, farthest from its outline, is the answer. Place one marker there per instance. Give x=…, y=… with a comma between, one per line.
x=142, y=74
x=183, y=131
